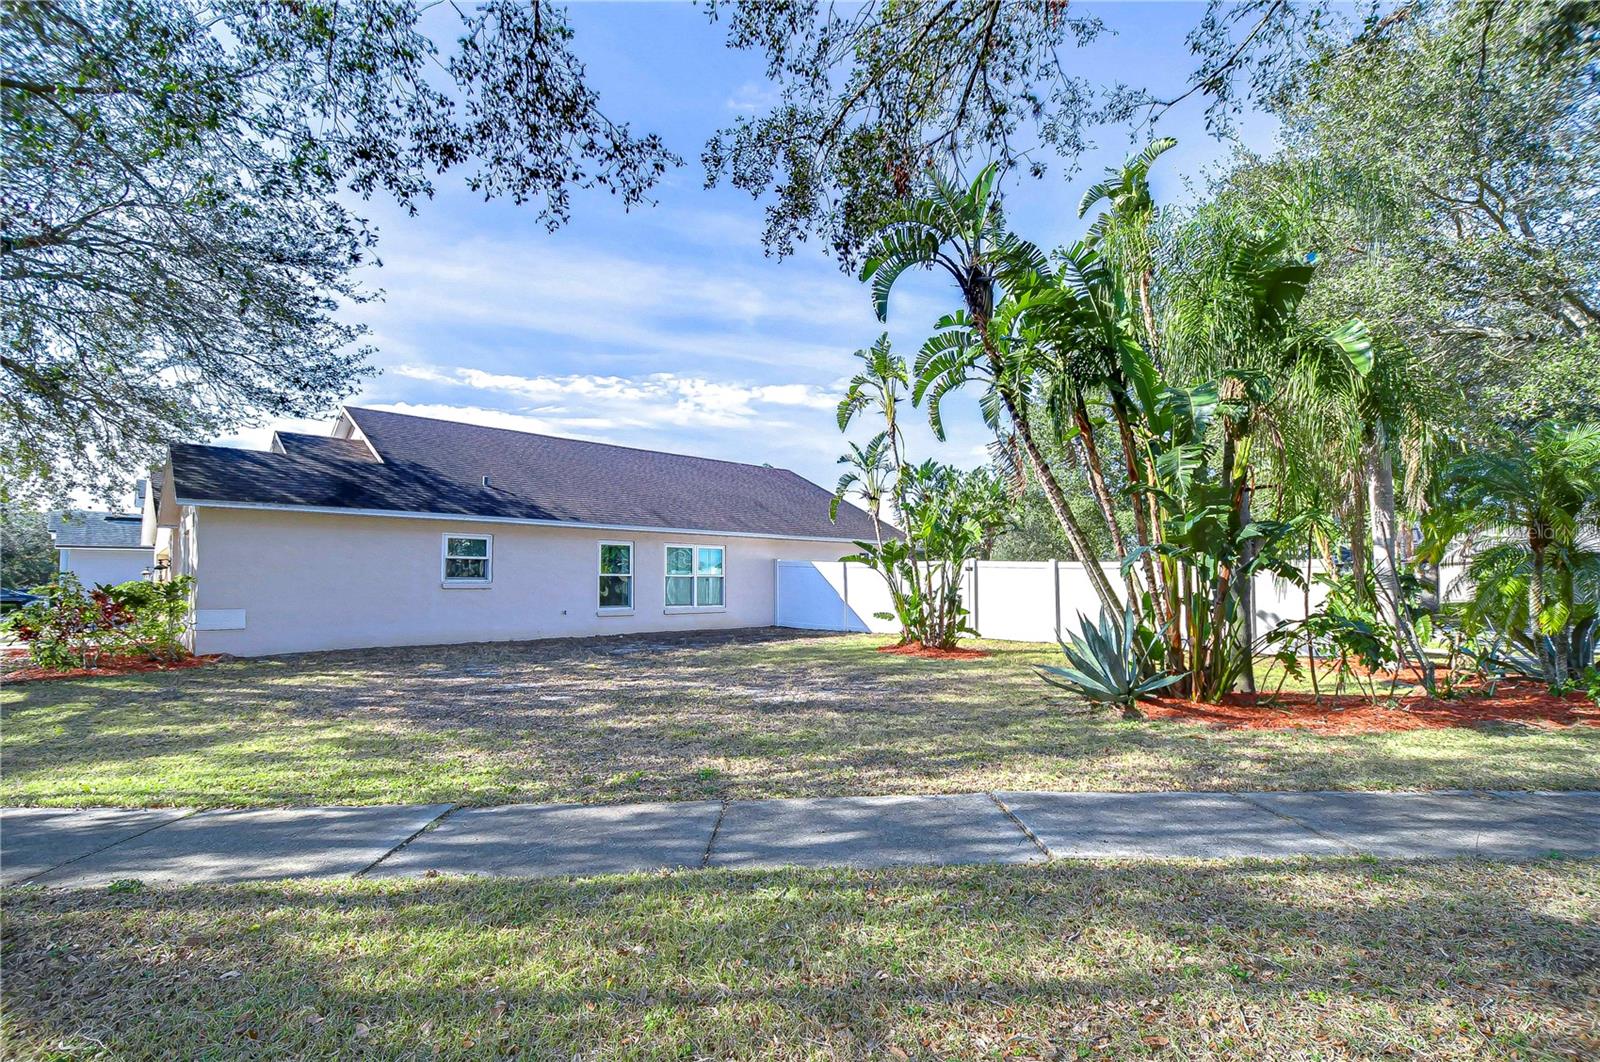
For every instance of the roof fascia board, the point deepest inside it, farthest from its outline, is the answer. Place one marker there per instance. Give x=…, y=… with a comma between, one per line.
x=332, y=510
x=357, y=433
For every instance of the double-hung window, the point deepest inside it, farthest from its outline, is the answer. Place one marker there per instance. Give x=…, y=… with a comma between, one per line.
x=466, y=560
x=695, y=577
x=616, y=575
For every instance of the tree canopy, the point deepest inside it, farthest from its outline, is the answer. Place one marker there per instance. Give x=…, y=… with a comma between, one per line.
x=1443, y=169
x=871, y=96
x=173, y=244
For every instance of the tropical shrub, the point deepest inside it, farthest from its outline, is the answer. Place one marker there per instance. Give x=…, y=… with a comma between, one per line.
x=1589, y=684
x=945, y=517
x=1537, y=583
x=949, y=516
x=1344, y=629
x=76, y=627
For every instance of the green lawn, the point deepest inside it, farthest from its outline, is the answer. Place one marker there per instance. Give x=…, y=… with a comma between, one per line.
x=1337, y=958
x=662, y=718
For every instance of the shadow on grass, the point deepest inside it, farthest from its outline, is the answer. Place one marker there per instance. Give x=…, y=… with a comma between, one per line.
x=737, y=714
x=1461, y=959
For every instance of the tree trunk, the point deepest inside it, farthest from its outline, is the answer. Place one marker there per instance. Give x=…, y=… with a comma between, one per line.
x=1245, y=595
x=1096, y=472
x=1149, y=317
x=1385, y=560
x=1102, y=493
x=1550, y=650
x=1052, y=489
x=1141, y=514
x=1305, y=606
x=1580, y=654
x=1358, y=546
x=1058, y=504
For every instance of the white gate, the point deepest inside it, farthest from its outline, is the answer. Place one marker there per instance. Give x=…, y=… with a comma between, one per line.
x=830, y=596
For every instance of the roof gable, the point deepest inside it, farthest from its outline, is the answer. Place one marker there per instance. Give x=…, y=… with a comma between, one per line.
x=89, y=529
x=323, y=447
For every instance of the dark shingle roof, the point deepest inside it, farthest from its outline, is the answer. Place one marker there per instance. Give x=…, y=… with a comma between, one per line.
x=85, y=529
x=437, y=466
x=299, y=444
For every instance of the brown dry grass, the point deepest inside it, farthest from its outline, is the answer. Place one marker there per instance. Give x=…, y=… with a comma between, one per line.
x=753, y=714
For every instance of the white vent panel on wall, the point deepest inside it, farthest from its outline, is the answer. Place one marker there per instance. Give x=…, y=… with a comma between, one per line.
x=219, y=619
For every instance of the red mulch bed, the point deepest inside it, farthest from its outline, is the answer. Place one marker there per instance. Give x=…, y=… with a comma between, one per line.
x=117, y=665
x=1518, y=702
x=932, y=653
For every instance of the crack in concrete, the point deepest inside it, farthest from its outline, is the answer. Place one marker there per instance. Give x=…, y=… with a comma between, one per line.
x=430, y=824
x=716, y=827
x=1023, y=826
x=1249, y=798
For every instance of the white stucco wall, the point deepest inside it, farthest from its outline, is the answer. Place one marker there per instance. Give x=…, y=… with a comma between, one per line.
x=312, y=581
x=96, y=566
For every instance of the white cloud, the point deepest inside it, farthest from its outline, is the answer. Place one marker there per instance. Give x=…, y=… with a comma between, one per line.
x=586, y=402
x=711, y=309
x=718, y=229
x=260, y=437
x=752, y=96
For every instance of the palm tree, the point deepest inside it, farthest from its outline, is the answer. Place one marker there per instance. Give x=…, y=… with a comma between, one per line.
x=1125, y=225
x=1119, y=247
x=1086, y=336
x=1232, y=299
x=962, y=231
x=1542, y=588
x=878, y=469
x=882, y=382
x=1358, y=399
x=1342, y=435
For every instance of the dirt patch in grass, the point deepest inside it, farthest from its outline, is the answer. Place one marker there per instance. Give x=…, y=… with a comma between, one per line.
x=16, y=669
x=1514, y=703
x=933, y=652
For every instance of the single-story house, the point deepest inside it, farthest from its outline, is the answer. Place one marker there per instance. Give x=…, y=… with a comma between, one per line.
x=404, y=530
x=102, y=547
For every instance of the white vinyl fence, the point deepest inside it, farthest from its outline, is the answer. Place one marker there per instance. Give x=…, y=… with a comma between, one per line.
x=1023, y=601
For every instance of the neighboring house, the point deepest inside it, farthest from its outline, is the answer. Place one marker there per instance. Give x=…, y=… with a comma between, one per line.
x=401, y=530
x=102, y=547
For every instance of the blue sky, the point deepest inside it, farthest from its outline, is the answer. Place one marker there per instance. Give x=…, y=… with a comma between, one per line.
x=667, y=327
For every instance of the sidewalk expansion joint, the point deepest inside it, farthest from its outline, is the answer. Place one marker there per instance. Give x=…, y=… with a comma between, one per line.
x=1023, y=826
x=716, y=827
x=430, y=824
x=120, y=840
x=1249, y=798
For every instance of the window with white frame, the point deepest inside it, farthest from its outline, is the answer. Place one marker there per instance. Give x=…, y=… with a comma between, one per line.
x=616, y=575
x=694, y=577
x=466, y=559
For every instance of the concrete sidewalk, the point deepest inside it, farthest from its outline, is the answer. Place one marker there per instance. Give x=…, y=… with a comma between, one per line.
x=85, y=847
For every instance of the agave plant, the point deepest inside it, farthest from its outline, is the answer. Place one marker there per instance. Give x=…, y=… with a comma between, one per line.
x=1110, y=663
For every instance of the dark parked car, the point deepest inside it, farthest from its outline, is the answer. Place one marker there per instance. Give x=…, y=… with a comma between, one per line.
x=10, y=599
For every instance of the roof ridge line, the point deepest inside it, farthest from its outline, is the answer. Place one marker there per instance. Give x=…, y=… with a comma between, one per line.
x=584, y=442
